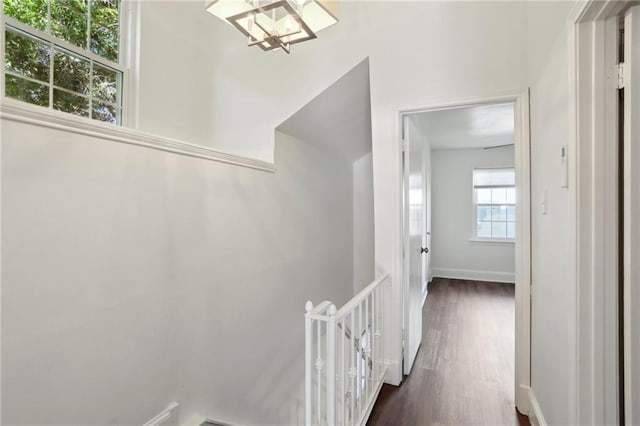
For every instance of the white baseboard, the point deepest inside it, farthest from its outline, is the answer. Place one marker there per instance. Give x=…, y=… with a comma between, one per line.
x=465, y=274
x=194, y=421
x=169, y=415
x=393, y=375
x=369, y=409
x=536, y=417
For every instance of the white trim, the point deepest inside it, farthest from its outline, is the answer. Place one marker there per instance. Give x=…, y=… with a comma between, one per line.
x=392, y=366
x=593, y=213
x=491, y=241
x=164, y=416
x=523, y=252
x=43, y=117
x=522, y=247
x=194, y=421
x=536, y=417
x=467, y=274
x=369, y=409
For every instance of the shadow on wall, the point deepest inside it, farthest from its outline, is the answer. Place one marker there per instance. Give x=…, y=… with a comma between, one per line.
x=338, y=121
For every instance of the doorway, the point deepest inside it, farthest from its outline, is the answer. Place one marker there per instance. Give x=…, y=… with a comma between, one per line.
x=512, y=225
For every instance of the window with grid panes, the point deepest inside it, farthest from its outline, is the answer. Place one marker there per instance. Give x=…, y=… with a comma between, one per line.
x=65, y=55
x=494, y=195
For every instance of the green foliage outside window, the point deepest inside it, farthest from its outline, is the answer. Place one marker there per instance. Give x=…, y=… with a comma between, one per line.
x=81, y=86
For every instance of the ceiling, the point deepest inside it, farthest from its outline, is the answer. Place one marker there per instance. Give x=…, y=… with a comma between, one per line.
x=479, y=126
x=339, y=118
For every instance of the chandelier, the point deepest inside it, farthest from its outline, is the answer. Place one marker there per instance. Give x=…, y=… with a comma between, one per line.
x=274, y=24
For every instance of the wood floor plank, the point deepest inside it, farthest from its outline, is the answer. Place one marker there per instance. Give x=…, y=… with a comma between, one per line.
x=464, y=371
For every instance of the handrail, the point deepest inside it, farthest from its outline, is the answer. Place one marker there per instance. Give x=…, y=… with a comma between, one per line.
x=358, y=298
x=344, y=357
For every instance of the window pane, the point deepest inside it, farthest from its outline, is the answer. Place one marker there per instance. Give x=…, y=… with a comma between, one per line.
x=30, y=12
x=105, y=28
x=69, y=21
x=26, y=91
x=104, y=112
x=68, y=102
x=484, y=229
x=511, y=213
x=498, y=196
x=105, y=83
x=499, y=213
x=71, y=72
x=511, y=195
x=511, y=229
x=499, y=229
x=483, y=196
x=483, y=213
x=27, y=56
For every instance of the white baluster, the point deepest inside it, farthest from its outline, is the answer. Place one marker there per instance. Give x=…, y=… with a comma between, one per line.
x=360, y=361
x=367, y=351
x=343, y=373
x=308, y=344
x=331, y=366
x=374, y=341
x=352, y=370
x=319, y=365
x=383, y=354
x=379, y=325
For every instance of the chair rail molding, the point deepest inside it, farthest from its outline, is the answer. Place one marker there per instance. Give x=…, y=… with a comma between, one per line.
x=21, y=112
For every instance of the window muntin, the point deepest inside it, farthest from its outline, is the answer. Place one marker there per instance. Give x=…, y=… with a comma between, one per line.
x=64, y=54
x=494, y=195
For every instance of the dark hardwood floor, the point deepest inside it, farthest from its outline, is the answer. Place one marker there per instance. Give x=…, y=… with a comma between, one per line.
x=464, y=371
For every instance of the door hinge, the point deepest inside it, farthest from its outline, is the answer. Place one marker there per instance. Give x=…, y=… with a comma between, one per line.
x=621, y=75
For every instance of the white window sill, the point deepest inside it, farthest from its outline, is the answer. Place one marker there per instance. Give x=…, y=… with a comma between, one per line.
x=22, y=112
x=492, y=241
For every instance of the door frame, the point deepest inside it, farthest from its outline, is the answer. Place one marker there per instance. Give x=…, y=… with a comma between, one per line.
x=593, y=211
x=523, y=233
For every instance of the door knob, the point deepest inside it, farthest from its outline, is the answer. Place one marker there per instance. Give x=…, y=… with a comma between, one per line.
x=424, y=249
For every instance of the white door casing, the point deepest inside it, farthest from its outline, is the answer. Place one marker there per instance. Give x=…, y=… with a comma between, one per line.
x=523, y=241
x=631, y=205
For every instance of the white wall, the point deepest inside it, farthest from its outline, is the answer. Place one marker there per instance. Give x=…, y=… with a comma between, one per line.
x=363, y=226
x=133, y=277
x=421, y=54
x=454, y=256
x=339, y=121
x=200, y=84
x=410, y=65
x=552, y=344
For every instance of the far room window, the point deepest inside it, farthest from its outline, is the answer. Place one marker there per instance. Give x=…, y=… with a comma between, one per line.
x=494, y=194
x=65, y=55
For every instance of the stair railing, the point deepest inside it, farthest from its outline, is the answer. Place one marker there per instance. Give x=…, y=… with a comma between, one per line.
x=344, y=364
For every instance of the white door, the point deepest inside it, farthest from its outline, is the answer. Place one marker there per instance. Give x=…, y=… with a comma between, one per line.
x=415, y=243
x=631, y=234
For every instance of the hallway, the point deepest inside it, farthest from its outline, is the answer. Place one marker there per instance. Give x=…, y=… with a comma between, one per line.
x=464, y=372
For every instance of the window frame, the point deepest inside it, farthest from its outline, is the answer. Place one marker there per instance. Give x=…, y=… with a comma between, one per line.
x=475, y=204
x=126, y=50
